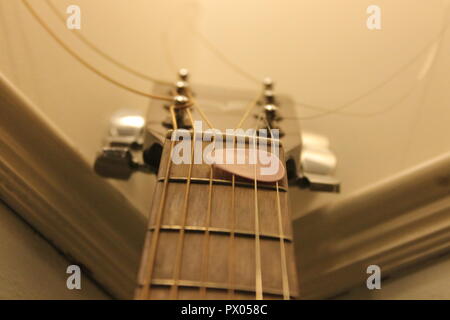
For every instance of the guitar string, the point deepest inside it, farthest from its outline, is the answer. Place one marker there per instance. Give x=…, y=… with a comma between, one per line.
x=87, y=64
x=285, y=276
x=231, y=253
x=205, y=261
x=199, y=110
x=222, y=57
x=386, y=109
x=102, y=53
x=325, y=111
x=181, y=234
x=111, y=59
x=145, y=293
x=108, y=57
x=194, y=104
x=258, y=271
x=248, y=110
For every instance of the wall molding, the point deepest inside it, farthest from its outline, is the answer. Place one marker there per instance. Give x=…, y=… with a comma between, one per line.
x=45, y=180
x=396, y=223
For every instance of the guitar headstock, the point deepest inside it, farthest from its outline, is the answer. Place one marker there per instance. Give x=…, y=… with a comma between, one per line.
x=135, y=140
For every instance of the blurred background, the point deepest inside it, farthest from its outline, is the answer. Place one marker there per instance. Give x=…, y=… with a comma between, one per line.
x=391, y=86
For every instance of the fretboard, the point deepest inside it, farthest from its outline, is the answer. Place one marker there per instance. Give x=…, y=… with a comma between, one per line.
x=213, y=235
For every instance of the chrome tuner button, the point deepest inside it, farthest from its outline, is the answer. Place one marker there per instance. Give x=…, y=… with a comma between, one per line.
x=268, y=83
x=269, y=97
x=123, y=144
x=180, y=101
x=183, y=74
x=182, y=88
x=317, y=164
x=126, y=129
x=114, y=162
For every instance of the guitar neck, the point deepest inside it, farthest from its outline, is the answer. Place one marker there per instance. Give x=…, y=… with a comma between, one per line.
x=213, y=235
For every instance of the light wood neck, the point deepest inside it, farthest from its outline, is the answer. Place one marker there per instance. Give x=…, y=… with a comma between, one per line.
x=213, y=235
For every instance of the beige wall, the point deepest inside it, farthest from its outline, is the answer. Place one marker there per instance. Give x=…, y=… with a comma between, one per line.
x=31, y=269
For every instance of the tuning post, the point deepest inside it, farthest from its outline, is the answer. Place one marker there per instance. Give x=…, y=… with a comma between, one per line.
x=183, y=74
x=268, y=83
x=181, y=102
x=120, y=155
x=270, y=107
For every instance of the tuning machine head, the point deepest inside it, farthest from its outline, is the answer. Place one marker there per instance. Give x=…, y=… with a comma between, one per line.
x=311, y=164
x=270, y=107
x=183, y=74
x=120, y=155
x=268, y=83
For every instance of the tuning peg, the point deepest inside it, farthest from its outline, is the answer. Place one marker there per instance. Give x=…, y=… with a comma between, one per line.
x=312, y=165
x=183, y=74
x=123, y=145
x=114, y=162
x=182, y=88
x=181, y=103
x=268, y=83
x=270, y=107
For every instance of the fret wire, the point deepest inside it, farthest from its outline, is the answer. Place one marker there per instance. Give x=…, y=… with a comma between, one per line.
x=236, y=232
x=285, y=277
x=213, y=285
x=155, y=236
x=223, y=182
x=207, y=225
x=180, y=244
x=258, y=272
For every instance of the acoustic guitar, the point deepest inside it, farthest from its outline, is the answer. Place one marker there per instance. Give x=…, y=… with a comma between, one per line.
x=216, y=230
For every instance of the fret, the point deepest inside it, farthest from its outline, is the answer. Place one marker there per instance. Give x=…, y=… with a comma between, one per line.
x=211, y=235
x=229, y=232
x=241, y=182
x=216, y=285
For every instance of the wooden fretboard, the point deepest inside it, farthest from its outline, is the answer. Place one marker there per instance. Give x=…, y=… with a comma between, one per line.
x=212, y=235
